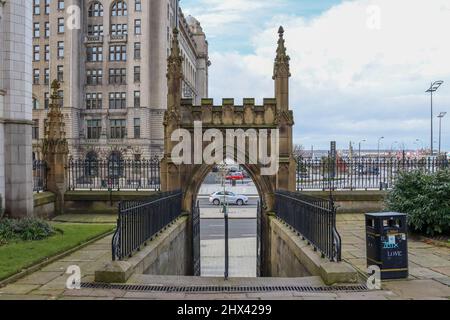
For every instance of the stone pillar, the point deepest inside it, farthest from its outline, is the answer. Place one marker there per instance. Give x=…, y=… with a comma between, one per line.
x=16, y=180
x=56, y=150
x=285, y=118
x=170, y=172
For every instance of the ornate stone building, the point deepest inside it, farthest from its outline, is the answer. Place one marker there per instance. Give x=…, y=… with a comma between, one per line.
x=16, y=185
x=112, y=63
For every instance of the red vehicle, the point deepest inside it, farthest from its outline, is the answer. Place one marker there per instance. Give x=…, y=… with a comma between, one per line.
x=235, y=176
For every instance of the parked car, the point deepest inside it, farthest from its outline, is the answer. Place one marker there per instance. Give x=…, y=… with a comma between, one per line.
x=235, y=176
x=368, y=170
x=220, y=197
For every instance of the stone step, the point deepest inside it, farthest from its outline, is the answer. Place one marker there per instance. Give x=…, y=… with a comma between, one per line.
x=142, y=279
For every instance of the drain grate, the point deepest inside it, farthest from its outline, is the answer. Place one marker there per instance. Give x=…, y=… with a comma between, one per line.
x=223, y=289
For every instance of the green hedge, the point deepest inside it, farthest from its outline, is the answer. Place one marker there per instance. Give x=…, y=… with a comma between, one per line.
x=425, y=198
x=27, y=229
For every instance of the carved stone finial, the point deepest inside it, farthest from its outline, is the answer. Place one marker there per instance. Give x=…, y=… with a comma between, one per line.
x=281, y=67
x=174, y=77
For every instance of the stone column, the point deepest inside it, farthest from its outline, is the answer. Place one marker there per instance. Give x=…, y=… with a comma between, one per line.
x=56, y=151
x=16, y=107
x=285, y=118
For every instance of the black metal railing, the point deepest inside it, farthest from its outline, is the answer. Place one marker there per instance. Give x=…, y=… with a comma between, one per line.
x=140, y=221
x=359, y=173
x=40, y=171
x=114, y=175
x=313, y=218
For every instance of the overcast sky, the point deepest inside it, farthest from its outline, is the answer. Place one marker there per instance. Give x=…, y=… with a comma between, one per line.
x=359, y=68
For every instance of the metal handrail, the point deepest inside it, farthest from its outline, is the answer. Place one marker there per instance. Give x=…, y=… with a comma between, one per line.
x=140, y=221
x=313, y=218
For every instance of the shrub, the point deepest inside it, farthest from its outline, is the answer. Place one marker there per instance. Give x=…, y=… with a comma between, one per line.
x=27, y=229
x=425, y=198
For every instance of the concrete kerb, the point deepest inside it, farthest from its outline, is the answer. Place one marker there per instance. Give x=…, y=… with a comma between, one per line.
x=121, y=271
x=330, y=272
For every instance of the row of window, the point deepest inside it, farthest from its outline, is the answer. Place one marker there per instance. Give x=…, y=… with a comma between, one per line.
x=47, y=100
x=37, y=6
x=117, y=100
x=59, y=51
x=116, y=52
x=117, y=129
x=37, y=75
x=117, y=76
x=119, y=8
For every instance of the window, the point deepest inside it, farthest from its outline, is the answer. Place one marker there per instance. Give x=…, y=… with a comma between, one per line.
x=94, y=129
x=36, y=76
x=118, y=76
x=95, y=30
x=137, y=128
x=117, y=100
x=137, y=74
x=119, y=29
x=118, y=129
x=137, y=99
x=60, y=73
x=60, y=4
x=95, y=9
x=91, y=163
x=94, y=101
x=137, y=26
x=60, y=25
x=137, y=5
x=46, y=100
x=46, y=76
x=47, y=29
x=36, y=7
x=47, y=7
x=60, y=49
x=94, y=53
x=35, y=130
x=47, y=52
x=119, y=8
x=137, y=50
x=94, y=77
x=36, y=53
x=61, y=98
x=118, y=53
x=36, y=30
x=35, y=104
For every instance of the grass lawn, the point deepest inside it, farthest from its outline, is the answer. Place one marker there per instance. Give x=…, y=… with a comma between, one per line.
x=16, y=256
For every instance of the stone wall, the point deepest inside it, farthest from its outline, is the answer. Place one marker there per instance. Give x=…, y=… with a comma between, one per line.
x=167, y=254
x=291, y=257
x=44, y=205
x=16, y=107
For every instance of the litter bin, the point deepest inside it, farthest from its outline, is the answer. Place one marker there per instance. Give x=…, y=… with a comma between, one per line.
x=387, y=244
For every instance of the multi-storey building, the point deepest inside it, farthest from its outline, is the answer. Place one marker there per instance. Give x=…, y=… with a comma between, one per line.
x=111, y=59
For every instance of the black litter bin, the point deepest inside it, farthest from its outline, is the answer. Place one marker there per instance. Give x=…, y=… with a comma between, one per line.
x=387, y=244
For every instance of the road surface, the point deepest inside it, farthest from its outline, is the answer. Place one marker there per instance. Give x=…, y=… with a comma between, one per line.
x=214, y=229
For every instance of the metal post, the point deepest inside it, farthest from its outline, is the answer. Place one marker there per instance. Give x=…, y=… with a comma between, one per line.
x=226, y=242
x=440, y=116
x=432, y=147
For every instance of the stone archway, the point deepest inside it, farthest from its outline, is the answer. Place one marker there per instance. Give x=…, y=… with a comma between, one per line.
x=273, y=115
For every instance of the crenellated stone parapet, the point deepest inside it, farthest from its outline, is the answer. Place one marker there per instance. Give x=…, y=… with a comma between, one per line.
x=229, y=114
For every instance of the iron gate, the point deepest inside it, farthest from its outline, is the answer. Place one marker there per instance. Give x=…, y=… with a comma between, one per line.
x=196, y=238
x=258, y=239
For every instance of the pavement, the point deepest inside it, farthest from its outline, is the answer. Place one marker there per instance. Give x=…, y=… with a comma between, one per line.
x=429, y=267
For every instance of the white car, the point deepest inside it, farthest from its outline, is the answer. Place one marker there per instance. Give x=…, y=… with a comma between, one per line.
x=228, y=197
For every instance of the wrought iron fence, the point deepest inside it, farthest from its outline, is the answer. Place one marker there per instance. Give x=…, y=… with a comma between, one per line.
x=313, y=218
x=114, y=175
x=40, y=171
x=140, y=221
x=359, y=173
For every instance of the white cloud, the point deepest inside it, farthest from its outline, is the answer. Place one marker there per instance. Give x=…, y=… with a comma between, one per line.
x=348, y=81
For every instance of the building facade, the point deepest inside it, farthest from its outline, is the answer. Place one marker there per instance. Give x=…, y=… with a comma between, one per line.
x=110, y=57
x=16, y=182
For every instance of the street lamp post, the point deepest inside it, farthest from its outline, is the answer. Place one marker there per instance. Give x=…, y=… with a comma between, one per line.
x=433, y=88
x=440, y=116
x=379, y=140
x=359, y=147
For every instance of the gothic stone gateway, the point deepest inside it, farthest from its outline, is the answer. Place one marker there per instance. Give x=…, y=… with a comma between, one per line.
x=274, y=114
